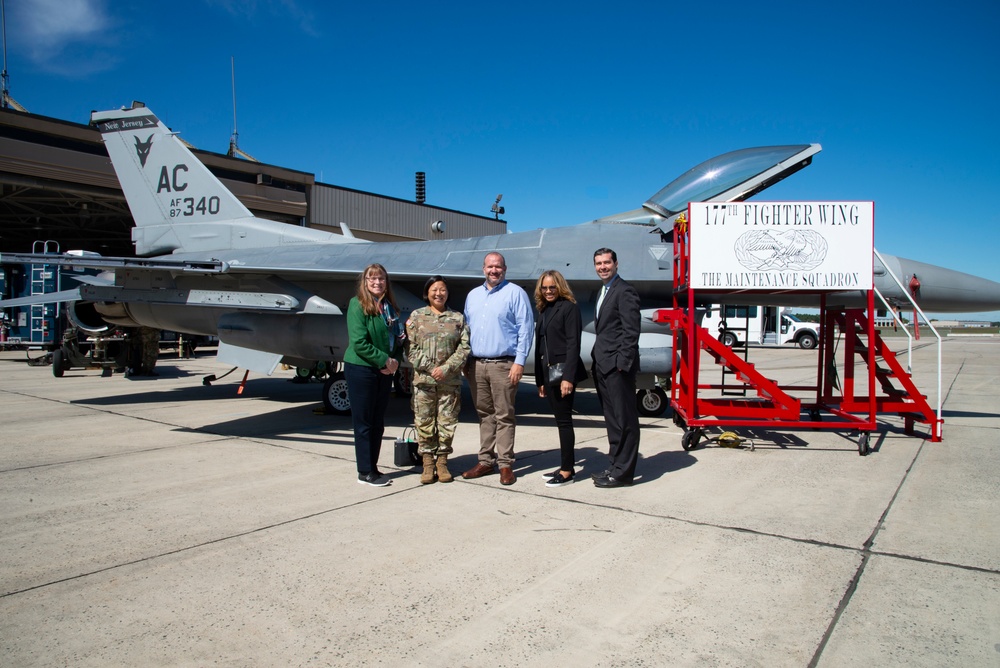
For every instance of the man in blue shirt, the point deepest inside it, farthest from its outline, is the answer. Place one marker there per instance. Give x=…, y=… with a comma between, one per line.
x=501, y=327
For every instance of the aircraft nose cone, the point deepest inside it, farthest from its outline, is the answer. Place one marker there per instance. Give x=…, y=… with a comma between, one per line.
x=944, y=290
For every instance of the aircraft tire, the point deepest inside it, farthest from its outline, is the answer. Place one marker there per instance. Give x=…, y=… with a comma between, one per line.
x=651, y=402
x=403, y=382
x=58, y=363
x=335, y=396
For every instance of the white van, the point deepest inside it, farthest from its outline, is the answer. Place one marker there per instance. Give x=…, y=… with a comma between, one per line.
x=764, y=325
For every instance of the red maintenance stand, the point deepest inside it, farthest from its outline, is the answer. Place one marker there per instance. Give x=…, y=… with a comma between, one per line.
x=871, y=382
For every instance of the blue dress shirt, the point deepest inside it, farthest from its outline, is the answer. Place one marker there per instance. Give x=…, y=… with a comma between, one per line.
x=501, y=322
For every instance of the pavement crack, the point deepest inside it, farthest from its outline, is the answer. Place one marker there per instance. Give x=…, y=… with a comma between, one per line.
x=189, y=548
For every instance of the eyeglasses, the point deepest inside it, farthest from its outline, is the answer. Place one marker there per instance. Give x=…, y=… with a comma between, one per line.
x=549, y=288
x=375, y=279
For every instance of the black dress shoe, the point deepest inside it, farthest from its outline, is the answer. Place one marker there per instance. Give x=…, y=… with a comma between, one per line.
x=601, y=474
x=611, y=481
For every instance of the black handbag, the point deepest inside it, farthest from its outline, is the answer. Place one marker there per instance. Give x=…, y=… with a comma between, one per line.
x=405, y=448
x=556, y=372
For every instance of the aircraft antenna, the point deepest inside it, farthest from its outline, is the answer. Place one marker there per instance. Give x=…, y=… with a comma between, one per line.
x=7, y=101
x=234, y=148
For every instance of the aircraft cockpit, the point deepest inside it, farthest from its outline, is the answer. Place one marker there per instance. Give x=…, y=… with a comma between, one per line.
x=730, y=177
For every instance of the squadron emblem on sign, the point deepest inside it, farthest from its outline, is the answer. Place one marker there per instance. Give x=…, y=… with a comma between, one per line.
x=801, y=250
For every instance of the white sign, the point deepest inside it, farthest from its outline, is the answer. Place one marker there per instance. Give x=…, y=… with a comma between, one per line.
x=782, y=246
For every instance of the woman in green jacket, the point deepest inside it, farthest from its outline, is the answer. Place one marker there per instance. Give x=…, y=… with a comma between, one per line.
x=376, y=336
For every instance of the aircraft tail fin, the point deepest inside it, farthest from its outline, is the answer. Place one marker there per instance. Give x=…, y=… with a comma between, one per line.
x=177, y=203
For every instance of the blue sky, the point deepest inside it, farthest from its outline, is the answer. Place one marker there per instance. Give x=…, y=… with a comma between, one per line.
x=571, y=110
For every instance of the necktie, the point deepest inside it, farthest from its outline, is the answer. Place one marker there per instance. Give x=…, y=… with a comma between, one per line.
x=600, y=299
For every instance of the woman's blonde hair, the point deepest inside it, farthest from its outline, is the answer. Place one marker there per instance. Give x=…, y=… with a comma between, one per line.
x=562, y=289
x=368, y=301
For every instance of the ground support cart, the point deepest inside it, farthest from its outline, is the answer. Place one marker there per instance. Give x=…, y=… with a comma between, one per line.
x=848, y=398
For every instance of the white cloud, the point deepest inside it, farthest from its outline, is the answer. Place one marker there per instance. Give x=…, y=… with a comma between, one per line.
x=54, y=22
x=46, y=29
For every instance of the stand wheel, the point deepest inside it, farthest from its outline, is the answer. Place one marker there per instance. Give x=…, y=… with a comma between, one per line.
x=863, y=443
x=690, y=439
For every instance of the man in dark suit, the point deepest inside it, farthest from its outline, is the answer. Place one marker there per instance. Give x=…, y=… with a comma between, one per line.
x=616, y=363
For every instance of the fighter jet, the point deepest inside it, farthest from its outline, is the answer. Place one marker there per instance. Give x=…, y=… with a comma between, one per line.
x=275, y=292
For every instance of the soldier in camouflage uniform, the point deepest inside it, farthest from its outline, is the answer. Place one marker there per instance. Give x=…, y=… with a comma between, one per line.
x=438, y=340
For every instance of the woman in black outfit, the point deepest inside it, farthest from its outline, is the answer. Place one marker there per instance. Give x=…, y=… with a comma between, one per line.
x=557, y=347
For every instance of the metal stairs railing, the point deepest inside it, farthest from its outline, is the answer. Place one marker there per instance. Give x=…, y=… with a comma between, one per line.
x=900, y=393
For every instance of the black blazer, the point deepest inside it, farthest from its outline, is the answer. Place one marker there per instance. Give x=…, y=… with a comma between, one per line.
x=617, y=329
x=557, y=331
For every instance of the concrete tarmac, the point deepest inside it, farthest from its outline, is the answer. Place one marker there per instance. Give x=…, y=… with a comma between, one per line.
x=157, y=521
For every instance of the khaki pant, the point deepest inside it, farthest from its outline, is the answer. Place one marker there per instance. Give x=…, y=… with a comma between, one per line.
x=493, y=396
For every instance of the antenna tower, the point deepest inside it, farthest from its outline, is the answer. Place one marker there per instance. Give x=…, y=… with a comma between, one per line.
x=234, y=148
x=7, y=101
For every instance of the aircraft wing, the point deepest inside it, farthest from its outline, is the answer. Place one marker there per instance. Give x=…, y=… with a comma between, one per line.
x=102, y=262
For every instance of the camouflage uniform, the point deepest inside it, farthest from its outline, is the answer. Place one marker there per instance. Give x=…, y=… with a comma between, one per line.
x=436, y=340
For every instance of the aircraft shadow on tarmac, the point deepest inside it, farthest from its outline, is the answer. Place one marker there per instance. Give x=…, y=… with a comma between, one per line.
x=306, y=423
x=271, y=389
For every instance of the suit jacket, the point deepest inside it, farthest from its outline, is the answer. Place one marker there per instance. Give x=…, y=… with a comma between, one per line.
x=617, y=329
x=557, y=331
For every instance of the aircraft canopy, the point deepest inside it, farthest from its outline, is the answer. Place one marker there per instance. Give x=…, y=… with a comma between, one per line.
x=750, y=168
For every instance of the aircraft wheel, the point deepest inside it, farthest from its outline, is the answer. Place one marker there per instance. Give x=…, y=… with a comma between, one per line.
x=807, y=341
x=335, y=396
x=728, y=339
x=651, y=402
x=863, y=443
x=58, y=363
x=303, y=372
x=690, y=439
x=403, y=382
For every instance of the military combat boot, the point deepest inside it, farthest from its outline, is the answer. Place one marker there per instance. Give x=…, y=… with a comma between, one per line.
x=427, y=477
x=444, y=475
